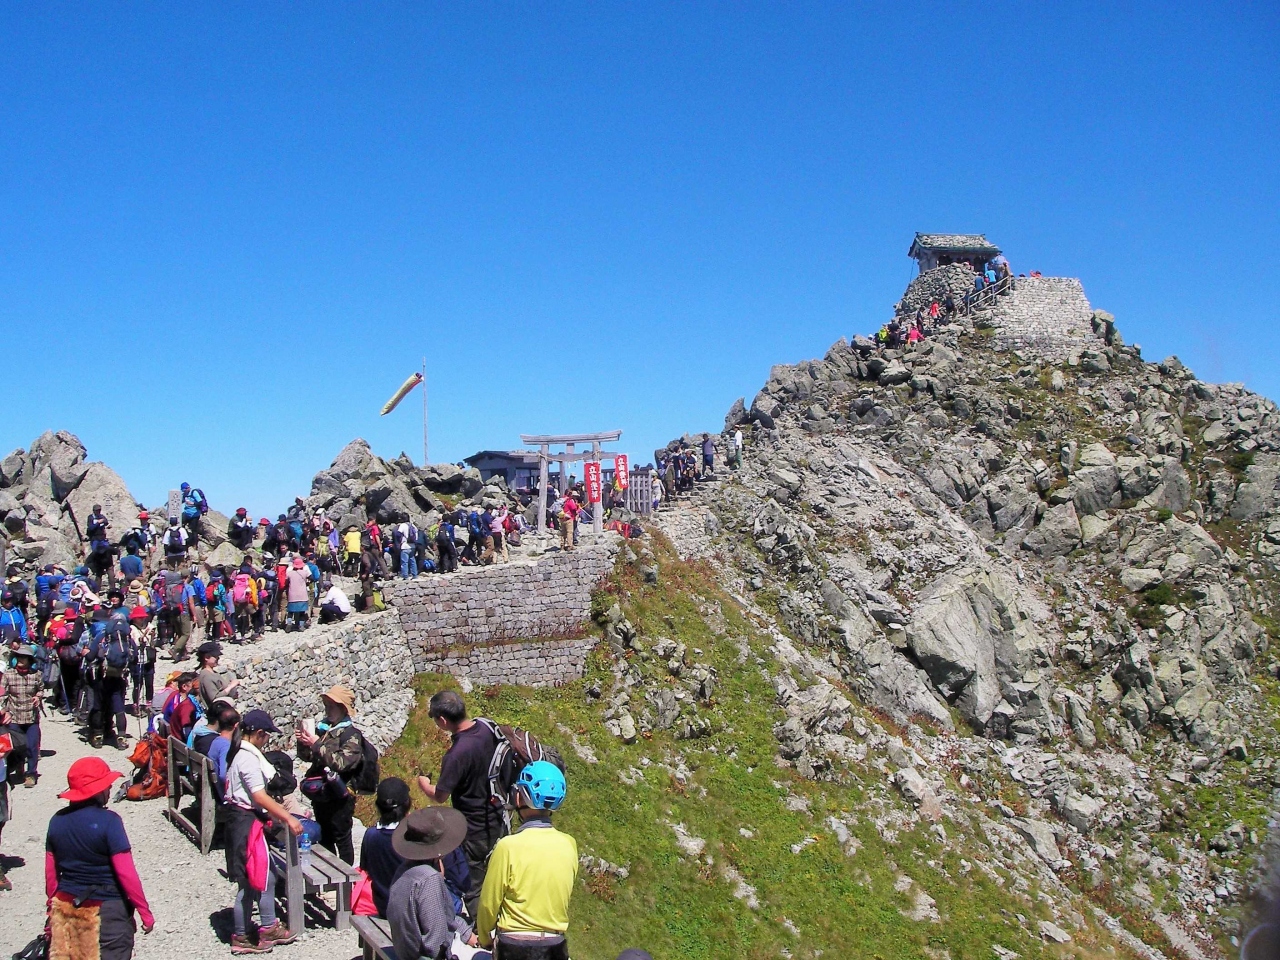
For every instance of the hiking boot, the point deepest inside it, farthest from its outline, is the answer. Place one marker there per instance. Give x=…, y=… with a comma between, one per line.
x=95, y=741
x=276, y=935
x=5, y=883
x=30, y=781
x=242, y=944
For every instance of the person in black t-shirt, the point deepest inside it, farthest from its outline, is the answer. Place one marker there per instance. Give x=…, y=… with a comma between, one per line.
x=464, y=782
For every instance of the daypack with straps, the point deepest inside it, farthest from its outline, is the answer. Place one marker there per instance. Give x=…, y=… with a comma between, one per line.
x=240, y=588
x=117, y=647
x=516, y=749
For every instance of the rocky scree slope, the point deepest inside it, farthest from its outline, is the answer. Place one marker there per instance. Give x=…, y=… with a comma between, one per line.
x=1061, y=569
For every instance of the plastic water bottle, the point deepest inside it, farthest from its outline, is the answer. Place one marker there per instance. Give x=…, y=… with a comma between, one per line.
x=304, y=850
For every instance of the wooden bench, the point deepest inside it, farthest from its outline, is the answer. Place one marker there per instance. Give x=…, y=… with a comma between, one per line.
x=325, y=872
x=375, y=937
x=192, y=774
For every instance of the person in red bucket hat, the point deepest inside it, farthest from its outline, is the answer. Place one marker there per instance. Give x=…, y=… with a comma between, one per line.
x=90, y=880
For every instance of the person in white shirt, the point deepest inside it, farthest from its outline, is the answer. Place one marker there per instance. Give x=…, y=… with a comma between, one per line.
x=334, y=605
x=246, y=797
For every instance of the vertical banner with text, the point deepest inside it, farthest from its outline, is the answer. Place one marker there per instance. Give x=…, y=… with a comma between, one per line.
x=591, y=478
x=621, y=471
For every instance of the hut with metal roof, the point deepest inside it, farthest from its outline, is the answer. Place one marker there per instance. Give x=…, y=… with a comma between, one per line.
x=931, y=250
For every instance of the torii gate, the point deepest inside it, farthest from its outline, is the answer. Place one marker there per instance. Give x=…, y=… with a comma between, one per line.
x=570, y=440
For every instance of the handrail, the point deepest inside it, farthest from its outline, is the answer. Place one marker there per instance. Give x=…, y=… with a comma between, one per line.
x=976, y=299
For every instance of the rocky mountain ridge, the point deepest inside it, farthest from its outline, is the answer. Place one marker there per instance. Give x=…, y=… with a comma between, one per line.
x=1068, y=553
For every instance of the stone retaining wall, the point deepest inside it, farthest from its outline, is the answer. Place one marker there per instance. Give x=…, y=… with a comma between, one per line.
x=1046, y=316
x=533, y=664
x=547, y=596
x=286, y=674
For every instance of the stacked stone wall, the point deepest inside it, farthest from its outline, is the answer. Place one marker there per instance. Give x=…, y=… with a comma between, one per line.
x=1046, y=316
x=500, y=606
x=286, y=674
x=533, y=664
x=524, y=622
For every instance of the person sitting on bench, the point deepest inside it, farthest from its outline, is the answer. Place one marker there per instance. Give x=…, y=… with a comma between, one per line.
x=420, y=908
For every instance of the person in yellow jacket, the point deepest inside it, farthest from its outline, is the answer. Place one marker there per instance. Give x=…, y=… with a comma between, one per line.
x=524, y=905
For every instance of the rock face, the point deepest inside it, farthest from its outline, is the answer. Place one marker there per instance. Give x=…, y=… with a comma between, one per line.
x=974, y=642
x=49, y=489
x=1021, y=527
x=359, y=484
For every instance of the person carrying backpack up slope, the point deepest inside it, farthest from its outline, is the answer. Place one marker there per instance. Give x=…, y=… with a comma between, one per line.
x=194, y=507
x=524, y=905
x=343, y=763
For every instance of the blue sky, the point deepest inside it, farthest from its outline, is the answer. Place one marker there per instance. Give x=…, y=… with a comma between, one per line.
x=228, y=232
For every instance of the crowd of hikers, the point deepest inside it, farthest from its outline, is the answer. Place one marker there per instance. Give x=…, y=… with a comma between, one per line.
x=480, y=867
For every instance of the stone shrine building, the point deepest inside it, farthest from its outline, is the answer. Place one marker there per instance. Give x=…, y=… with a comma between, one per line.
x=931, y=250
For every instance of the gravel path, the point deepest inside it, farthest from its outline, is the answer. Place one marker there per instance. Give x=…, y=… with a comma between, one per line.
x=189, y=895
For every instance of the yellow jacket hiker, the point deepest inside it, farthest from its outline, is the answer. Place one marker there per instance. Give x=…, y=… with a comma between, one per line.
x=531, y=872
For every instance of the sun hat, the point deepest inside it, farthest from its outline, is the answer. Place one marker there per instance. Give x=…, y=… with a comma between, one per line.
x=139, y=613
x=88, y=777
x=25, y=650
x=429, y=834
x=298, y=563
x=341, y=695
x=135, y=586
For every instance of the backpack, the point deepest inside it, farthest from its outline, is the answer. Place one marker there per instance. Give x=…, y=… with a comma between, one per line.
x=516, y=749
x=474, y=527
x=366, y=778
x=283, y=782
x=19, y=590
x=116, y=647
x=366, y=540
x=240, y=589
x=211, y=592
x=201, y=503
x=151, y=757
x=173, y=593
x=175, y=541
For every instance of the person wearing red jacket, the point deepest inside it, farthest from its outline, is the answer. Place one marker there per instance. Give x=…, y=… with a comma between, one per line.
x=90, y=880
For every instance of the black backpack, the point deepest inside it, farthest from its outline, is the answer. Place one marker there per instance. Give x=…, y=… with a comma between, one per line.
x=366, y=778
x=284, y=782
x=366, y=540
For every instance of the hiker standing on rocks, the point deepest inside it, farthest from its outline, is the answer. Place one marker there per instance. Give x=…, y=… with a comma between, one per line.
x=22, y=693
x=91, y=882
x=297, y=594
x=708, y=457
x=525, y=900
x=569, y=512
x=335, y=750
x=248, y=862
x=445, y=545
x=175, y=545
x=194, y=506
x=144, y=671
x=420, y=907
x=464, y=782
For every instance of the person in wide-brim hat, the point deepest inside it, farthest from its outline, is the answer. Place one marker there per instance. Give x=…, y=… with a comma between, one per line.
x=420, y=908
x=429, y=834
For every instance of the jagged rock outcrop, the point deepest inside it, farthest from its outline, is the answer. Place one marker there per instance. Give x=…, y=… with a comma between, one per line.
x=49, y=489
x=360, y=484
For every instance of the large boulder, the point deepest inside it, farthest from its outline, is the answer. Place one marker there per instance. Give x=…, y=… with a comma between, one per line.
x=973, y=639
x=1095, y=486
x=62, y=454
x=101, y=484
x=352, y=461
x=1057, y=534
x=443, y=478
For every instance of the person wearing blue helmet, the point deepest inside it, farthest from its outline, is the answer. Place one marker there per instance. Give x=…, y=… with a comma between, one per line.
x=524, y=905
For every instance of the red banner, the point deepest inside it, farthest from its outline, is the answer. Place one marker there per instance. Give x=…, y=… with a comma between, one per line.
x=591, y=478
x=622, y=471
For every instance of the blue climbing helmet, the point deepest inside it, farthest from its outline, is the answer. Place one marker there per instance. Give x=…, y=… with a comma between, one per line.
x=544, y=785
